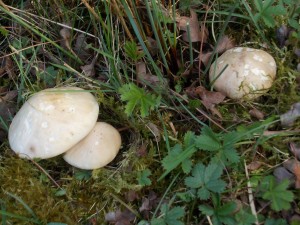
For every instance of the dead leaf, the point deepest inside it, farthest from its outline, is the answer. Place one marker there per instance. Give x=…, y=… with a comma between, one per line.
x=293, y=165
x=131, y=195
x=282, y=34
x=148, y=204
x=89, y=70
x=145, y=78
x=287, y=119
x=155, y=131
x=295, y=149
x=204, y=57
x=282, y=173
x=152, y=46
x=224, y=44
x=256, y=114
x=119, y=217
x=192, y=23
x=81, y=47
x=7, y=67
x=255, y=165
x=7, y=111
x=142, y=151
x=210, y=99
x=65, y=33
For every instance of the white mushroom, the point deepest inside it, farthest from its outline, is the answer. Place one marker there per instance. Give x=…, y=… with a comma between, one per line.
x=243, y=73
x=97, y=149
x=52, y=121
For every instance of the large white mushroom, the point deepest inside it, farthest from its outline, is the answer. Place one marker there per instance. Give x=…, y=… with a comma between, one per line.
x=97, y=149
x=243, y=73
x=52, y=121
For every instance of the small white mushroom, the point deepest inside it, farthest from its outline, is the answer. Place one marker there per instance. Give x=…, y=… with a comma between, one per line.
x=52, y=121
x=247, y=73
x=97, y=149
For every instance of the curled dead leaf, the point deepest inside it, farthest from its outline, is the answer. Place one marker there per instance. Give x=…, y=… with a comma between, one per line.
x=7, y=67
x=224, y=44
x=293, y=165
x=281, y=173
x=89, y=69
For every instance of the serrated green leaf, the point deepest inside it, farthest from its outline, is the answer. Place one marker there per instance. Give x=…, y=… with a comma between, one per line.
x=206, y=210
x=143, y=177
x=197, y=178
x=206, y=180
x=186, y=166
x=203, y=193
x=170, y=216
x=277, y=194
x=245, y=218
x=138, y=98
x=208, y=140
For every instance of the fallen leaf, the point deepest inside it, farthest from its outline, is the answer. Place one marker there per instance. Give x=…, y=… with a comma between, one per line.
x=282, y=34
x=224, y=44
x=152, y=46
x=256, y=114
x=192, y=34
x=81, y=47
x=293, y=165
x=255, y=165
x=7, y=111
x=65, y=33
x=7, y=67
x=282, y=173
x=295, y=149
x=210, y=99
x=287, y=119
x=89, y=70
x=119, y=217
x=155, y=131
x=131, y=195
x=148, y=204
x=205, y=57
x=142, y=151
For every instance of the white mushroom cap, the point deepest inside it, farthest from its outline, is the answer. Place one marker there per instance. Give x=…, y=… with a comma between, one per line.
x=97, y=149
x=52, y=121
x=249, y=73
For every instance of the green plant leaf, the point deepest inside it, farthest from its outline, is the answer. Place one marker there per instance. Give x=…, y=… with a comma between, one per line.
x=206, y=180
x=221, y=214
x=143, y=177
x=243, y=217
x=208, y=140
x=138, y=98
x=170, y=216
x=277, y=193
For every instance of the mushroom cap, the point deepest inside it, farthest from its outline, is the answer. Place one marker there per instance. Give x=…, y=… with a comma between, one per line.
x=97, y=149
x=249, y=73
x=52, y=121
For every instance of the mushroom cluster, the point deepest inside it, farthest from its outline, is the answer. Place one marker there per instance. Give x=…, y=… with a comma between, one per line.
x=59, y=120
x=243, y=73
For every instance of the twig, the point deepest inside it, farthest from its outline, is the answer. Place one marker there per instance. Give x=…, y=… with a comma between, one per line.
x=250, y=195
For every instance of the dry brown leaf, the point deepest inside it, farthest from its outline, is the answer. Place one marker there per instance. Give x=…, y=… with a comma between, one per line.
x=210, y=99
x=281, y=173
x=155, y=131
x=89, y=70
x=152, y=46
x=293, y=165
x=81, y=47
x=204, y=57
x=65, y=33
x=295, y=149
x=287, y=119
x=119, y=217
x=224, y=44
x=194, y=27
x=256, y=114
x=7, y=67
x=254, y=165
x=145, y=78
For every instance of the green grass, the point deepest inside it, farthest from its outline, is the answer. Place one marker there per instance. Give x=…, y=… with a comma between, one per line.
x=180, y=163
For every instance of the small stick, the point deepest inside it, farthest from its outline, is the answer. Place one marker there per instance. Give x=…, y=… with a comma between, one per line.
x=250, y=195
